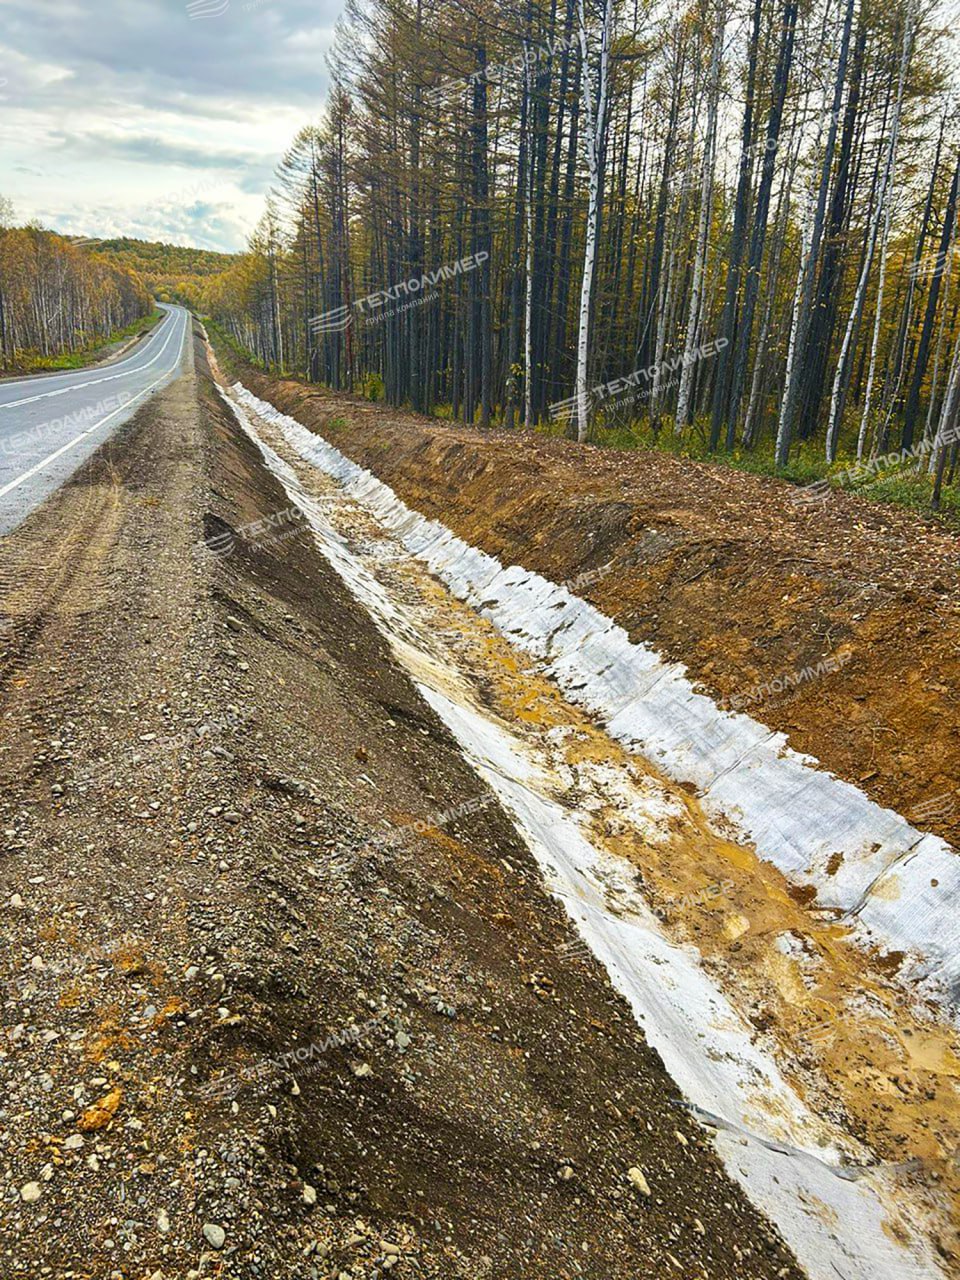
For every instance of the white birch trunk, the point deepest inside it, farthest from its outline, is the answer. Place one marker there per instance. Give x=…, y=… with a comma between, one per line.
x=665, y=318
x=694, y=319
x=806, y=240
x=948, y=410
x=947, y=418
x=886, y=200
x=853, y=322
x=528, y=219
x=593, y=132
x=773, y=273
x=938, y=355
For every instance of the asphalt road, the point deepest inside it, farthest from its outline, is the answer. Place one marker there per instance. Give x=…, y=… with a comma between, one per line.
x=50, y=423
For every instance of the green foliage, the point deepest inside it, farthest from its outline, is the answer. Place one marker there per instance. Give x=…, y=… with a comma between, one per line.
x=372, y=388
x=234, y=345
x=154, y=259
x=905, y=487
x=173, y=272
x=913, y=489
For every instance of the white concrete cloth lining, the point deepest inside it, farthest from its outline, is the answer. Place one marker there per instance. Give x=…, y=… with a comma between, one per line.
x=897, y=885
x=841, y=1214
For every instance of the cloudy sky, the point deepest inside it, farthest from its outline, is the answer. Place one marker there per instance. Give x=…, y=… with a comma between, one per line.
x=161, y=119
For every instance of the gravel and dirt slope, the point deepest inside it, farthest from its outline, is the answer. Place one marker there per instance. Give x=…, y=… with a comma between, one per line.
x=836, y=622
x=283, y=994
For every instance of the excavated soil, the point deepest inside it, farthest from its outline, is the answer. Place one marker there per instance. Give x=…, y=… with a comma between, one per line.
x=835, y=621
x=254, y=1023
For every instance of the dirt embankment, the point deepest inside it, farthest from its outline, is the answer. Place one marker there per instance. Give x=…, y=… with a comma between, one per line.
x=254, y=1023
x=837, y=622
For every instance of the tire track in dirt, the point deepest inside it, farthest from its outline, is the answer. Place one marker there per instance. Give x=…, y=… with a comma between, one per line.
x=50, y=592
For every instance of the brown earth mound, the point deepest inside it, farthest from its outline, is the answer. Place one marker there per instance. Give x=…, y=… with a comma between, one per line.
x=837, y=621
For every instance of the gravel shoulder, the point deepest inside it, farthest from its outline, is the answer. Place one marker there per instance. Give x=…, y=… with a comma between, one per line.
x=283, y=993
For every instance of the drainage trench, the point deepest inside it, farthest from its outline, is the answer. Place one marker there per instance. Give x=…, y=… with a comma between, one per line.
x=784, y=1038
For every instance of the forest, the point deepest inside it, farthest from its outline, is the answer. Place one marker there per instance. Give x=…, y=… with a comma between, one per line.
x=59, y=297
x=729, y=230
x=726, y=226
x=172, y=272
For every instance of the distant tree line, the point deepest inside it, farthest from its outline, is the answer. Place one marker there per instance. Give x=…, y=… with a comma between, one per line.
x=171, y=272
x=57, y=296
x=729, y=219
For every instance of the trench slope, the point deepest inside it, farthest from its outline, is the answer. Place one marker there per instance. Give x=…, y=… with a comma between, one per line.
x=750, y=1021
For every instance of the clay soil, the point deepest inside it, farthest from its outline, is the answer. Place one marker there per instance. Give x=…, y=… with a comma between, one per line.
x=728, y=573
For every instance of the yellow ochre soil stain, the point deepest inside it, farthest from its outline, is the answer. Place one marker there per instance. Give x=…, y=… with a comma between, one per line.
x=882, y=1067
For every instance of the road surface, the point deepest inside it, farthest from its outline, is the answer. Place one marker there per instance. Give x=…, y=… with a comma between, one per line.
x=49, y=424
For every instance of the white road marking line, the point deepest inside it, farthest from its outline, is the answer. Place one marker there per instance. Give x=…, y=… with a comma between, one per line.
x=79, y=386
x=89, y=431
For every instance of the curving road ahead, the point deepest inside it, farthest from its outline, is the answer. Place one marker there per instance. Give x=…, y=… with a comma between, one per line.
x=50, y=423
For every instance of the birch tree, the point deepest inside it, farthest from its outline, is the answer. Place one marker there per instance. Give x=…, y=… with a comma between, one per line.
x=595, y=88
x=886, y=202
x=812, y=253
x=883, y=207
x=694, y=319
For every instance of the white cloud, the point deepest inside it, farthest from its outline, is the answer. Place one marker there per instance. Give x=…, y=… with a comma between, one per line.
x=150, y=120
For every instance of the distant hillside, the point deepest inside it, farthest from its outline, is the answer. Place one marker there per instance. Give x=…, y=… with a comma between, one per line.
x=174, y=273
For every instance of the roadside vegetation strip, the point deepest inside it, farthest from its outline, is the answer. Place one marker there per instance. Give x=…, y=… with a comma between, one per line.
x=100, y=352
x=106, y=350
x=57, y=377
x=93, y=382
x=57, y=298
x=866, y=863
